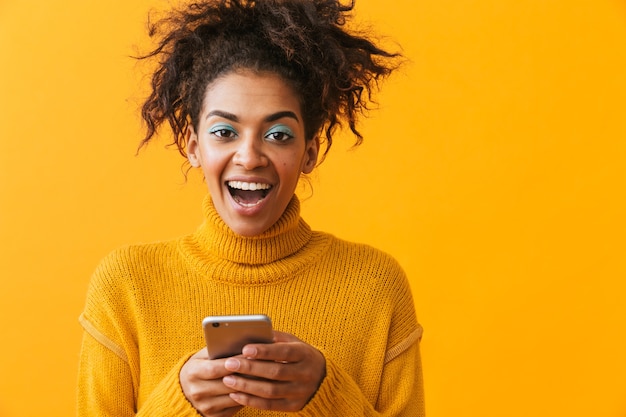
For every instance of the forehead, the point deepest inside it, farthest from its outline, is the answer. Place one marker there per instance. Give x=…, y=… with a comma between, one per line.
x=251, y=91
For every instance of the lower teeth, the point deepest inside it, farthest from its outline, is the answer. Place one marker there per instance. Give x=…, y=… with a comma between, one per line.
x=247, y=204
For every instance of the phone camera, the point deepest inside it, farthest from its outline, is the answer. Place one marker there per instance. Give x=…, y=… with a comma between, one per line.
x=216, y=325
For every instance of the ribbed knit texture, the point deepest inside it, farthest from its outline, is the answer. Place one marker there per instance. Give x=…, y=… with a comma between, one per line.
x=145, y=305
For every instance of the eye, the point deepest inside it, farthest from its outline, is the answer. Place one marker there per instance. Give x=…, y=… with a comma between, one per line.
x=278, y=136
x=223, y=131
x=279, y=133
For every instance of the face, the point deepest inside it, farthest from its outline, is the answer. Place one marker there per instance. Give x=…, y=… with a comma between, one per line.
x=251, y=147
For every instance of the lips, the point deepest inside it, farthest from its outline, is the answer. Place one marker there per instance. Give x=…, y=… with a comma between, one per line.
x=248, y=194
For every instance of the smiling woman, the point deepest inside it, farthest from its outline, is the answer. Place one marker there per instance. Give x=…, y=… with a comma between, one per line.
x=249, y=88
x=252, y=148
x=493, y=170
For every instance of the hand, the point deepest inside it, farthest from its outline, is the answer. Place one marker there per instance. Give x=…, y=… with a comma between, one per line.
x=201, y=381
x=282, y=376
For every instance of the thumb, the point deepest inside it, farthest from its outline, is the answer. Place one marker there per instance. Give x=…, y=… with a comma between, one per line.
x=285, y=337
x=201, y=354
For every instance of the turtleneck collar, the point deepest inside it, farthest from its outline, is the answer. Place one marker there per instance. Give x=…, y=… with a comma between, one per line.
x=216, y=240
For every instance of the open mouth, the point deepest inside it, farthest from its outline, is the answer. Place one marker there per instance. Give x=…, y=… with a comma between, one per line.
x=248, y=194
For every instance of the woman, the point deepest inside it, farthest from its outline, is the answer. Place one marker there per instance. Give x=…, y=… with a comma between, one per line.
x=248, y=87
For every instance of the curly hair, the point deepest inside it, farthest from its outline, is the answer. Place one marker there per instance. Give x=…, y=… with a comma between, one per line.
x=303, y=41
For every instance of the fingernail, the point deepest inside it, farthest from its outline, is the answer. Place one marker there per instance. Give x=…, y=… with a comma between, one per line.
x=229, y=380
x=249, y=351
x=236, y=396
x=231, y=364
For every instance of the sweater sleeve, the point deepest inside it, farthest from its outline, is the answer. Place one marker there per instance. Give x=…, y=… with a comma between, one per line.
x=168, y=399
x=105, y=386
x=399, y=385
x=98, y=395
x=401, y=391
x=109, y=374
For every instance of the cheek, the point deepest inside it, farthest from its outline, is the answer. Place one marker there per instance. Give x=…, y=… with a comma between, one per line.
x=293, y=165
x=212, y=164
x=213, y=156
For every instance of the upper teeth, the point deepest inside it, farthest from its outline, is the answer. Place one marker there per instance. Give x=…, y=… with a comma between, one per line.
x=251, y=186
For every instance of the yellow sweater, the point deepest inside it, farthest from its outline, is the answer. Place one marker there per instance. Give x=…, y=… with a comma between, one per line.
x=145, y=304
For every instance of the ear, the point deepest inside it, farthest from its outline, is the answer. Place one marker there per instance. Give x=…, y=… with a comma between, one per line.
x=311, y=154
x=193, y=147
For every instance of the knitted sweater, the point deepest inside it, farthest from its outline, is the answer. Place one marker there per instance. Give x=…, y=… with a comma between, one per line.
x=145, y=304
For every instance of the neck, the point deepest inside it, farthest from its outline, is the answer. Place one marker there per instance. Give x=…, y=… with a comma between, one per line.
x=214, y=238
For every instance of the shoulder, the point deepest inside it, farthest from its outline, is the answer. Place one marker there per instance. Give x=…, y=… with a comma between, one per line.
x=124, y=267
x=370, y=277
x=134, y=258
x=123, y=275
x=362, y=255
x=364, y=265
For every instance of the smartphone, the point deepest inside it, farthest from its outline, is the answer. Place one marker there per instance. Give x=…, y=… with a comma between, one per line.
x=227, y=335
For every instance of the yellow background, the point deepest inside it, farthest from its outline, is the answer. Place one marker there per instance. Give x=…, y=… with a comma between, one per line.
x=494, y=171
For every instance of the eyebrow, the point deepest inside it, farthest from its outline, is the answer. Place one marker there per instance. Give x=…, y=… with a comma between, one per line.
x=280, y=115
x=271, y=118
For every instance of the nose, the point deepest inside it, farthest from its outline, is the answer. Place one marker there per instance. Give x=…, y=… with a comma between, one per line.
x=249, y=153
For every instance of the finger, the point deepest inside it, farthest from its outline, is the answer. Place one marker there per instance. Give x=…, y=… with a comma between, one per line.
x=209, y=402
x=201, y=392
x=268, y=370
x=264, y=388
x=206, y=369
x=278, y=352
x=199, y=366
x=292, y=383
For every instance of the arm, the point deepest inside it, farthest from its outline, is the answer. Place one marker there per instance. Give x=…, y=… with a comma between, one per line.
x=98, y=394
x=400, y=394
x=105, y=386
